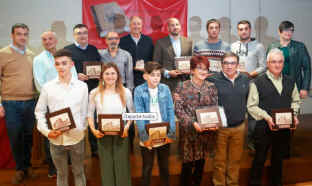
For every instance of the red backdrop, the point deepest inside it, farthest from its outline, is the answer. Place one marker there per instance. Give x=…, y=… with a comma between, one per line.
x=153, y=12
x=6, y=159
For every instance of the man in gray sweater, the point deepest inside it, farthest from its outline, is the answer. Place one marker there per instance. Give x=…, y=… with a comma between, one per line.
x=252, y=62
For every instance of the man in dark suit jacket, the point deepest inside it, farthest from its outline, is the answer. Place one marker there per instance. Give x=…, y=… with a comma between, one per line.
x=166, y=49
x=139, y=46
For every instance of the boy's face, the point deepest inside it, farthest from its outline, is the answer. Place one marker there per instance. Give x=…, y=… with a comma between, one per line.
x=153, y=78
x=63, y=65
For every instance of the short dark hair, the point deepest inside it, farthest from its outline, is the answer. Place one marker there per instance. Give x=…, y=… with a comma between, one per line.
x=212, y=21
x=150, y=66
x=80, y=26
x=62, y=53
x=196, y=60
x=229, y=54
x=244, y=22
x=285, y=25
x=19, y=25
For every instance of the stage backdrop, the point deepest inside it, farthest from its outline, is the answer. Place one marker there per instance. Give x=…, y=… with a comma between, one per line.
x=102, y=16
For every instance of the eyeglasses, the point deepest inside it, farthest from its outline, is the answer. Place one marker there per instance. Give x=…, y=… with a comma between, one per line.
x=229, y=63
x=292, y=30
x=112, y=38
x=276, y=62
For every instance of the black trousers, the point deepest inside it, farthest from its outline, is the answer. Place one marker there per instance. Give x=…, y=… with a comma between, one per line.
x=148, y=161
x=279, y=143
x=192, y=172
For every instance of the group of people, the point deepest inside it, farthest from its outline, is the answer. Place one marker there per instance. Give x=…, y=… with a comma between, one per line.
x=250, y=83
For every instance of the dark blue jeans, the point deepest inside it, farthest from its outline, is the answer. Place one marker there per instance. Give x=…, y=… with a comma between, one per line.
x=20, y=120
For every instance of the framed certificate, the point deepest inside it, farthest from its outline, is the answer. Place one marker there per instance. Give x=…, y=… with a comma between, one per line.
x=111, y=124
x=157, y=132
x=209, y=117
x=61, y=120
x=183, y=64
x=92, y=69
x=283, y=118
x=139, y=65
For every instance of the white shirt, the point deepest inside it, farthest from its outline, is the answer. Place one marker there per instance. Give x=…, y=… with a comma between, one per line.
x=57, y=95
x=154, y=106
x=110, y=103
x=176, y=45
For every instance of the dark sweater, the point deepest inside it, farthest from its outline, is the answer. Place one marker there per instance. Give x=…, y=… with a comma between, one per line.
x=144, y=51
x=80, y=56
x=233, y=97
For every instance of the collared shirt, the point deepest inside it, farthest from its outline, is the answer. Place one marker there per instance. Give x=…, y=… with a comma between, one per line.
x=232, y=80
x=123, y=60
x=79, y=46
x=44, y=70
x=136, y=40
x=57, y=95
x=253, y=98
x=17, y=49
x=176, y=45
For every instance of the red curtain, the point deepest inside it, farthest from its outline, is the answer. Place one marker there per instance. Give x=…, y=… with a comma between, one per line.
x=153, y=12
x=6, y=158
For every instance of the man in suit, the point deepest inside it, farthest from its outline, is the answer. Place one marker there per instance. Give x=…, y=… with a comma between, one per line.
x=167, y=48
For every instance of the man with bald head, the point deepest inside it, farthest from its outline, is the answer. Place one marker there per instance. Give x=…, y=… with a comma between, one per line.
x=271, y=90
x=167, y=48
x=44, y=71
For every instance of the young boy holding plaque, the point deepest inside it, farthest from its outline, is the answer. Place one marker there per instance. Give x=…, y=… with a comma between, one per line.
x=56, y=95
x=154, y=97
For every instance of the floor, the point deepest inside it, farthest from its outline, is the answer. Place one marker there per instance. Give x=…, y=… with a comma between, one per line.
x=297, y=170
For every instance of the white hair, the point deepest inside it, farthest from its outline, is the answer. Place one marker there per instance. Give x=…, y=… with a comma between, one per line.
x=274, y=51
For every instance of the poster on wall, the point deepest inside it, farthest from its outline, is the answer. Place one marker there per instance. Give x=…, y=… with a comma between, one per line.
x=102, y=16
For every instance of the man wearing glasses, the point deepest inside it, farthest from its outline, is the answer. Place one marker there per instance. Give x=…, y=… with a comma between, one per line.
x=120, y=57
x=297, y=62
x=84, y=52
x=233, y=88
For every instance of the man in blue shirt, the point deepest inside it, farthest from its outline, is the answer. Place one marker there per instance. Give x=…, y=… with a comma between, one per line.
x=44, y=71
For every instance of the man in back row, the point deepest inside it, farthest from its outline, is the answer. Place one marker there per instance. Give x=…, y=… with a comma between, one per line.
x=18, y=99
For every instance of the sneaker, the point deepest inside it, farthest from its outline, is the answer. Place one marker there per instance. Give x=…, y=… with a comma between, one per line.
x=52, y=175
x=18, y=177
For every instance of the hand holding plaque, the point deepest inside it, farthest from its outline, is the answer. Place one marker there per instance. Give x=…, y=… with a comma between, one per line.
x=208, y=117
x=61, y=120
x=92, y=69
x=111, y=124
x=283, y=118
x=157, y=132
x=183, y=64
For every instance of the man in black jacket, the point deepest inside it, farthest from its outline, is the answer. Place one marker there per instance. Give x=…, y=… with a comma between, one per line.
x=84, y=52
x=139, y=46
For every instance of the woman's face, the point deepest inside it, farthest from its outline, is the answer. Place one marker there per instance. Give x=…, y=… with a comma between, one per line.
x=110, y=76
x=200, y=72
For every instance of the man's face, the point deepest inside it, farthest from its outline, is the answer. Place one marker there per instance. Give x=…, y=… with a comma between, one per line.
x=81, y=36
x=174, y=27
x=153, y=78
x=20, y=37
x=243, y=32
x=63, y=65
x=112, y=40
x=48, y=40
x=136, y=26
x=287, y=34
x=213, y=30
x=275, y=64
x=230, y=66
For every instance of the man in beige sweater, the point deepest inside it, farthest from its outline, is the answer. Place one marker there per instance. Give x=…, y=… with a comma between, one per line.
x=18, y=103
